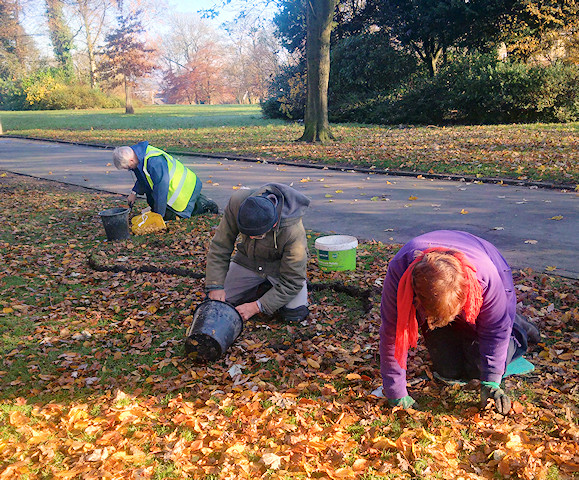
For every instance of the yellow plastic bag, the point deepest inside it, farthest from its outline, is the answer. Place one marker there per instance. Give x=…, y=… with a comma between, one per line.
x=147, y=222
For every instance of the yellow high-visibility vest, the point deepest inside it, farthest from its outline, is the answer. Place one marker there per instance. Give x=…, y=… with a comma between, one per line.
x=182, y=181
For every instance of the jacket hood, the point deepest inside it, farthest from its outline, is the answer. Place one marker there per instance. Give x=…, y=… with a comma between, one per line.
x=140, y=149
x=291, y=204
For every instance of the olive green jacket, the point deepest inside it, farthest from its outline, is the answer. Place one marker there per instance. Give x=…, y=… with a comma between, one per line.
x=282, y=254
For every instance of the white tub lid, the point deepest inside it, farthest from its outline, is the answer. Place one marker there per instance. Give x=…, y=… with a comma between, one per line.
x=335, y=243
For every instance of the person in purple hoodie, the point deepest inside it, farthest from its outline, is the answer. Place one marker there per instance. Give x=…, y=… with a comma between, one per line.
x=459, y=290
x=172, y=190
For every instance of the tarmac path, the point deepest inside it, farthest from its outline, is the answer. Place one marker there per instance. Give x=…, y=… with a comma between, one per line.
x=523, y=222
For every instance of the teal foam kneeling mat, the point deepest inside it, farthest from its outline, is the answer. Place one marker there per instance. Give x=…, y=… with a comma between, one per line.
x=519, y=366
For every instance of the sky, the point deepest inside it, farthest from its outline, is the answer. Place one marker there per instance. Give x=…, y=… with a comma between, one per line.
x=35, y=20
x=227, y=14
x=193, y=6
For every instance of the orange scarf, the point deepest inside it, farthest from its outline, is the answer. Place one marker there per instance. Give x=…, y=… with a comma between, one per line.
x=406, y=323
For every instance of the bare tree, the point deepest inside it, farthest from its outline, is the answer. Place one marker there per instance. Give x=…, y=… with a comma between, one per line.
x=193, y=55
x=17, y=50
x=189, y=35
x=253, y=60
x=93, y=16
x=199, y=81
x=319, y=23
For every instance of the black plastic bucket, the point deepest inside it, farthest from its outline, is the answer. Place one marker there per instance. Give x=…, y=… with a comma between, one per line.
x=116, y=223
x=215, y=327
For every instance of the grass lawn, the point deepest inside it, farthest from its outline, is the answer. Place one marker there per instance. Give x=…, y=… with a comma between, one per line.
x=534, y=152
x=93, y=382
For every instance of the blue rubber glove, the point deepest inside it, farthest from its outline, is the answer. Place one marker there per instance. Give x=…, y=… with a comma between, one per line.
x=494, y=391
x=404, y=402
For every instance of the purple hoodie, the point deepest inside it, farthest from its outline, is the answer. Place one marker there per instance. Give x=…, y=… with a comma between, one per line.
x=493, y=325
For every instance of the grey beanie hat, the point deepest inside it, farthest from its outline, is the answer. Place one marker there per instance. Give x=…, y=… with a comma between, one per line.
x=256, y=216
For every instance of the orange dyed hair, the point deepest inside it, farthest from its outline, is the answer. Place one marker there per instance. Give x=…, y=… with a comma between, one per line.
x=439, y=286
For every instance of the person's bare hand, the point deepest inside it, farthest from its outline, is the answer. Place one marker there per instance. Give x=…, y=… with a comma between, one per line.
x=217, y=295
x=131, y=199
x=248, y=310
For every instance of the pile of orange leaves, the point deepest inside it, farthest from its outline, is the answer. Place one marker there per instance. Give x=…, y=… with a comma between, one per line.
x=94, y=384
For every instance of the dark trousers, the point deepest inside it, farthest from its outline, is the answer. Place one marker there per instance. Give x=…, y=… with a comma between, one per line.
x=170, y=214
x=454, y=349
x=203, y=205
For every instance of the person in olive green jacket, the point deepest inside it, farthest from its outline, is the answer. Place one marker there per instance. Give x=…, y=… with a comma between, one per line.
x=272, y=252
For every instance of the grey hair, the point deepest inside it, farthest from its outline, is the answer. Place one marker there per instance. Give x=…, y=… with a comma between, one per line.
x=123, y=157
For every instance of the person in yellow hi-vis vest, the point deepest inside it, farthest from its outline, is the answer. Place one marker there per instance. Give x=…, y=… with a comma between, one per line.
x=171, y=189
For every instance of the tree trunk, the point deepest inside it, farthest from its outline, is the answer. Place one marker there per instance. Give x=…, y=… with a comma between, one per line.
x=432, y=53
x=429, y=52
x=320, y=14
x=128, y=98
x=91, y=67
x=432, y=62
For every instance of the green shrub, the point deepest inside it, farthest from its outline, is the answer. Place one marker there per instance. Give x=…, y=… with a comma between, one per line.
x=271, y=108
x=366, y=65
x=477, y=89
x=558, y=99
x=11, y=96
x=287, y=95
x=52, y=89
x=361, y=66
x=79, y=97
x=39, y=85
x=490, y=91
